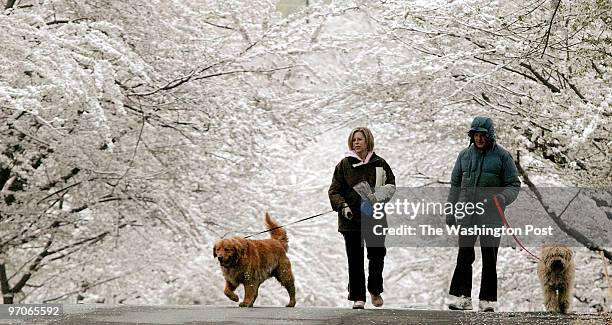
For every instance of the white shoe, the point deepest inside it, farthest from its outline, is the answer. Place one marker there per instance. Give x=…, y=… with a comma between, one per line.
x=462, y=303
x=358, y=304
x=484, y=305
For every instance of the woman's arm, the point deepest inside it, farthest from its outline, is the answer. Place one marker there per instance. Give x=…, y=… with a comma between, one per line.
x=336, y=189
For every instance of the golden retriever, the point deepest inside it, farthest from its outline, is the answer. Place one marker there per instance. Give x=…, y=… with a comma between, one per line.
x=251, y=262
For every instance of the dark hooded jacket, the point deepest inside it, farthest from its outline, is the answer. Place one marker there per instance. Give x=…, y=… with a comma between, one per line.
x=349, y=171
x=478, y=175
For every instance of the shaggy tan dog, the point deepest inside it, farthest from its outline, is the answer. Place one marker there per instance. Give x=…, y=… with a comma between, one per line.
x=251, y=262
x=556, y=273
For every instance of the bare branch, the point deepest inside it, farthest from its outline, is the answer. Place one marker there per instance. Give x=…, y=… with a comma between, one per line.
x=46, y=301
x=550, y=27
x=543, y=80
x=599, y=73
x=217, y=25
x=244, y=71
x=59, y=191
x=31, y=136
x=508, y=69
x=89, y=205
x=574, y=88
x=33, y=267
x=90, y=240
x=177, y=82
x=8, y=184
x=133, y=154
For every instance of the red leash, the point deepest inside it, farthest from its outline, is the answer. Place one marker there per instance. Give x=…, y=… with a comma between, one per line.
x=501, y=214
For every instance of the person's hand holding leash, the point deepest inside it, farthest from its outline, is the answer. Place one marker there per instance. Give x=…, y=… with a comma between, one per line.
x=346, y=212
x=500, y=199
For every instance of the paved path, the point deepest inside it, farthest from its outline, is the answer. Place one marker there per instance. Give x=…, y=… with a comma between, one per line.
x=167, y=314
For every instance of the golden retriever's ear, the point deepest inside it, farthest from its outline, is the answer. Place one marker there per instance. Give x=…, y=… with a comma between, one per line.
x=215, y=250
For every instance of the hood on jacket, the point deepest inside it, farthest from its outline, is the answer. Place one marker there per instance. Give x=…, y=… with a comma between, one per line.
x=361, y=162
x=482, y=124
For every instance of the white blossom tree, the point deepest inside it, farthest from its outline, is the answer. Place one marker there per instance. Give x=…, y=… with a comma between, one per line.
x=132, y=114
x=169, y=124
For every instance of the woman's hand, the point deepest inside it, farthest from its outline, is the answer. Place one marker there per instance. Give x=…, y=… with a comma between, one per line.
x=347, y=213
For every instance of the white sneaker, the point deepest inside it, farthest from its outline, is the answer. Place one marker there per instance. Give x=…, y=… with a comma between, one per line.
x=358, y=304
x=462, y=303
x=484, y=305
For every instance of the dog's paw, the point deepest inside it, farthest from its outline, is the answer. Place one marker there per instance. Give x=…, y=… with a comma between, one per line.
x=244, y=304
x=233, y=297
x=291, y=304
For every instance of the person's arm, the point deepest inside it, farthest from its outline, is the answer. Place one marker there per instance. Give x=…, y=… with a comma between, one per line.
x=336, y=189
x=510, y=181
x=453, y=195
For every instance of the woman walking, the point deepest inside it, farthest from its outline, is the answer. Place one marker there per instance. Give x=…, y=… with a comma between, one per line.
x=361, y=179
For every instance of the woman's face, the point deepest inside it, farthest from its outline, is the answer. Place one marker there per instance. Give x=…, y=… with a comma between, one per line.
x=359, y=144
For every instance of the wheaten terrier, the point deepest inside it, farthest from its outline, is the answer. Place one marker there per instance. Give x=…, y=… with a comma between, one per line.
x=556, y=273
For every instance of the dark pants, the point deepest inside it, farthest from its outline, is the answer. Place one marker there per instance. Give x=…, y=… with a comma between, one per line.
x=461, y=285
x=376, y=258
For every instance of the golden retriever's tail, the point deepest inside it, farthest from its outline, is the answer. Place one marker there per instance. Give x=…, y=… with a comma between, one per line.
x=279, y=233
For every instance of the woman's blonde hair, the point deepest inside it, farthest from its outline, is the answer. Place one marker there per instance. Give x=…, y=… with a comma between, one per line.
x=369, y=138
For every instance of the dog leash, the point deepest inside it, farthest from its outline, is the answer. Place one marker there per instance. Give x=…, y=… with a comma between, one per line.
x=292, y=223
x=501, y=214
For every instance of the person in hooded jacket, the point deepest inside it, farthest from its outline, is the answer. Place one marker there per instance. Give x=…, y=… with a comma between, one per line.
x=483, y=170
x=361, y=179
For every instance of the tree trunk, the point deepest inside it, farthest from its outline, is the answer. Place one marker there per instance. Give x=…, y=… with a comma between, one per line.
x=7, y=294
x=9, y=4
x=8, y=299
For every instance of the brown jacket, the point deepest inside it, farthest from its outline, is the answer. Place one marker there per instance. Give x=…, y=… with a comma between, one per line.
x=347, y=175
